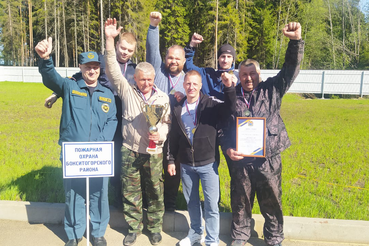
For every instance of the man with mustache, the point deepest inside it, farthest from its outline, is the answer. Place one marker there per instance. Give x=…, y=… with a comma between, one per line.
x=261, y=176
x=140, y=166
x=125, y=49
x=88, y=115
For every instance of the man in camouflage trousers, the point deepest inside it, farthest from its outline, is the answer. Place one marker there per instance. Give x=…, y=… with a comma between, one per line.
x=137, y=162
x=261, y=176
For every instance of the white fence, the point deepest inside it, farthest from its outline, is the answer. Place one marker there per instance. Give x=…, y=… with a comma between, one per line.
x=351, y=82
x=31, y=74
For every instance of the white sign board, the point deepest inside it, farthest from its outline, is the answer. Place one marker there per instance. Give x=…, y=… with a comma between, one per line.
x=88, y=159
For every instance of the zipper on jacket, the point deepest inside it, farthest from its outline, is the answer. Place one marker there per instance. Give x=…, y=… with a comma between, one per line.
x=193, y=156
x=89, y=137
x=184, y=133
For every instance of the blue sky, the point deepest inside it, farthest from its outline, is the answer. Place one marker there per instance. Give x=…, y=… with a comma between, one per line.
x=363, y=2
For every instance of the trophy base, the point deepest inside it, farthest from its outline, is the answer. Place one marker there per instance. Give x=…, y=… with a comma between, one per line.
x=151, y=150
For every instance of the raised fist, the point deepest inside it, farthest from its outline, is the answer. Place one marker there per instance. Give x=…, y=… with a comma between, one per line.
x=227, y=79
x=196, y=39
x=292, y=31
x=155, y=18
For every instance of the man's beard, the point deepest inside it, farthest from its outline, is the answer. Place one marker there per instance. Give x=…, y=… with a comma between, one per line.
x=174, y=70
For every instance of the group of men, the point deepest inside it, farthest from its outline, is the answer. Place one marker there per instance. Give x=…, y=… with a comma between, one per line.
x=204, y=104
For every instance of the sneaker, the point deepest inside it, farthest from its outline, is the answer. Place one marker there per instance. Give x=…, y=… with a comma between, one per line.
x=212, y=244
x=192, y=238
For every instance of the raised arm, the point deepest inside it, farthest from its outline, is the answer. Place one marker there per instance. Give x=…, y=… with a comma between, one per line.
x=293, y=57
x=190, y=53
x=113, y=71
x=152, y=41
x=50, y=78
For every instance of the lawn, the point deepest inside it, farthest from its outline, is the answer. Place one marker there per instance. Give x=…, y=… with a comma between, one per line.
x=325, y=171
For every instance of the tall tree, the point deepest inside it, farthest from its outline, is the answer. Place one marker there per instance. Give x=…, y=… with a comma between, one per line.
x=65, y=43
x=45, y=9
x=30, y=28
x=75, y=35
x=201, y=17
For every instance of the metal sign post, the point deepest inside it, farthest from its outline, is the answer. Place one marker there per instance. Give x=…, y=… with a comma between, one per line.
x=88, y=160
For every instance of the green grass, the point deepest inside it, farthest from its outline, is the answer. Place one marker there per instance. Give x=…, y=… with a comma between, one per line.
x=30, y=169
x=325, y=171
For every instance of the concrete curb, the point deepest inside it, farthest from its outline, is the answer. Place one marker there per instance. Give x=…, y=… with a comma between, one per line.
x=296, y=228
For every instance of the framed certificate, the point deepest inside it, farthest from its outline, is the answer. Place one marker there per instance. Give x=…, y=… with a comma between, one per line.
x=250, y=137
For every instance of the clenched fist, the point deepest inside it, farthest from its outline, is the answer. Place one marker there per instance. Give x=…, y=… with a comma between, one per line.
x=155, y=18
x=196, y=39
x=292, y=31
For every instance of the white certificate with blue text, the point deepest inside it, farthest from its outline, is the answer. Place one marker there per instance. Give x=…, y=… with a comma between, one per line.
x=251, y=136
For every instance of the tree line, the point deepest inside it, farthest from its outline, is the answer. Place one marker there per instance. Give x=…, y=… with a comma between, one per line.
x=335, y=31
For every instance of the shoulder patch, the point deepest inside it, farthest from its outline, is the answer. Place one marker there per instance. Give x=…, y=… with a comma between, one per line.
x=105, y=99
x=83, y=94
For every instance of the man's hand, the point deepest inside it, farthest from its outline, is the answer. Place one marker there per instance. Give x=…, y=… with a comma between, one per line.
x=196, y=39
x=50, y=101
x=172, y=169
x=111, y=30
x=155, y=18
x=234, y=155
x=292, y=31
x=228, y=79
x=234, y=80
x=44, y=47
x=155, y=136
x=179, y=96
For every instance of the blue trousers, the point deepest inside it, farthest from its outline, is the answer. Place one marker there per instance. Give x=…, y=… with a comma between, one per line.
x=75, y=207
x=208, y=174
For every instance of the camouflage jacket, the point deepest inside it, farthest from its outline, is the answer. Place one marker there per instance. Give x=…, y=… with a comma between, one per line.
x=266, y=102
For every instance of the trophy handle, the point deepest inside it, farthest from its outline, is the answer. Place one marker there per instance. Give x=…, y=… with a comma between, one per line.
x=166, y=106
x=142, y=105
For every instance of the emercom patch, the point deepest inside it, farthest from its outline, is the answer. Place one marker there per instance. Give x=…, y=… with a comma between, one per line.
x=83, y=94
x=105, y=99
x=105, y=107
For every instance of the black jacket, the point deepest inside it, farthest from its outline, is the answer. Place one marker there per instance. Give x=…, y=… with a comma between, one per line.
x=210, y=112
x=266, y=102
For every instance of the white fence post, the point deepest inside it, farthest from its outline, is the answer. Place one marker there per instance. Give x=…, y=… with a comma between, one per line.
x=22, y=74
x=322, y=88
x=362, y=84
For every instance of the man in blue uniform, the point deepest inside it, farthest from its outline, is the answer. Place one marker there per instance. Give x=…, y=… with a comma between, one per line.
x=88, y=115
x=125, y=49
